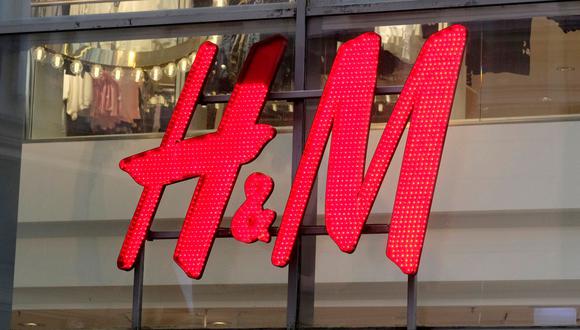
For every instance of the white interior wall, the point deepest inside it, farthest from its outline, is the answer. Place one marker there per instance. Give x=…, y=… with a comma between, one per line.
x=506, y=209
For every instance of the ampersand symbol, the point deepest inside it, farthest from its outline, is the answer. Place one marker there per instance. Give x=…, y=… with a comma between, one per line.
x=251, y=221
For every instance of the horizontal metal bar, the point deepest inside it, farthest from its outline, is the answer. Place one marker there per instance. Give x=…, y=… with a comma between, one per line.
x=324, y=25
x=288, y=129
x=334, y=7
x=74, y=2
x=298, y=95
x=147, y=18
x=304, y=231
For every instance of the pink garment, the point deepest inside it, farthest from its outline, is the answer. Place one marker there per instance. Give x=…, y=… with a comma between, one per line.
x=129, y=101
x=106, y=102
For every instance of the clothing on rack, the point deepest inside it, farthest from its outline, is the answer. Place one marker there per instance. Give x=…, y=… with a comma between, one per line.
x=129, y=100
x=78, y=93
x=106, y=102
x=161, y=108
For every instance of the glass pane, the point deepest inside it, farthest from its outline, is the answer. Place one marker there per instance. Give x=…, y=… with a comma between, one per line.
x=499, y=250
x=87, y=7
x=71, y=225
x=513, y=68
x=71, y=222
x=131, y=86
x=526, y=67
x=358, y=290
x=240, y=289
x=400, y=46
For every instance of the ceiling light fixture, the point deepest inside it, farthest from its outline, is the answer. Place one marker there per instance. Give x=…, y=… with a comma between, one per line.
x=29, y=324
x=565, y=68
x=219, y=323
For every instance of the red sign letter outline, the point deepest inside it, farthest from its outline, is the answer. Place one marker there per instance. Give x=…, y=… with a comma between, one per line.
x=215, y=158
x=426, y=98
x=251, y=222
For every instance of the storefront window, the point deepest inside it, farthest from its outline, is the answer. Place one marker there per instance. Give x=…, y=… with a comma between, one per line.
x=501, y=248
x=514, y=70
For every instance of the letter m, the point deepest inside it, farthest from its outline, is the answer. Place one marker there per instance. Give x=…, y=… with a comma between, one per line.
x=345, y=109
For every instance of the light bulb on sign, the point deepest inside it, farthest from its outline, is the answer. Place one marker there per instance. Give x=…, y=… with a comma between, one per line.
x=170, y=70
x=117, y=74
x=184, y=65
x=96, y=71
x=39, y=54
x=57, y=61
x=156, y=73
x=138, y=75
x=76, y=67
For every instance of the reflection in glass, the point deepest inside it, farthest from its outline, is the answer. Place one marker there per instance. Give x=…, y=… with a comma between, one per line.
x=42, y=8
x=513, y=68
x=131, y=86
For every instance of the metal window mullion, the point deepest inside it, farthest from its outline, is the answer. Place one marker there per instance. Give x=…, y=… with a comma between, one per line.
x=137, y=307
x=54, y=3
x=334, y=7
x=412, y=302
x=300, y=298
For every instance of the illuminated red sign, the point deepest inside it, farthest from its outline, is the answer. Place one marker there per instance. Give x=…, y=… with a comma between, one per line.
x=344, y=109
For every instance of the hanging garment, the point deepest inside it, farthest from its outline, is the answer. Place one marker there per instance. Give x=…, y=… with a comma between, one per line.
x=106, y=102
x=129, y=100
x=156, y=103
x=78, y=93
x=165, y=117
